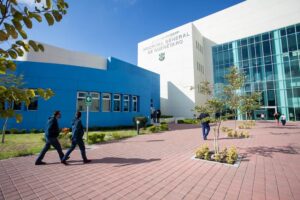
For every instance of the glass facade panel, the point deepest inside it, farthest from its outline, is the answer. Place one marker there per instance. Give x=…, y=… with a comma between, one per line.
x=271, y=64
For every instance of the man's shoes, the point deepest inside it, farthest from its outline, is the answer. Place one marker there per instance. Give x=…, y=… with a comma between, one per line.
x=87, y=161
x=40, y=163
x=64, y=162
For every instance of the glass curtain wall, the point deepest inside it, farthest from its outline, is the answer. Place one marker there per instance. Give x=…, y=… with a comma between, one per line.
x=271, y=64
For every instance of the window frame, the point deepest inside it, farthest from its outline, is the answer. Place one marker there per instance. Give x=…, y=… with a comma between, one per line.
x=114, y=100
x=103, y=99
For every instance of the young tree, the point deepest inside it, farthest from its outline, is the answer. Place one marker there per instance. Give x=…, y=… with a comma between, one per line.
x=13, y=93
x=15, y=18
x=249, y=103
x=214, y=106
x=232, y=91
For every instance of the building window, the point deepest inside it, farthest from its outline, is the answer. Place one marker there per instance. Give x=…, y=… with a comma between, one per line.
x=17, y=106
x=33, y=103
x=81, y=101
x=117, y=103
x=106, y=102
x=126, y=103
x=95, y=102
x=135, y=103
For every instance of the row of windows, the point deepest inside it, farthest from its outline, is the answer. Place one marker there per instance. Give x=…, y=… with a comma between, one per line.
x=199, y=47
x=109, y=102
x=22, y=106
x=290, y=47
x=200, y=68
x=268, y=71
x=286, y=31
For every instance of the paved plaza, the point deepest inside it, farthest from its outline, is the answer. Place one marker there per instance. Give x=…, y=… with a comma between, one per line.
x=159, y=166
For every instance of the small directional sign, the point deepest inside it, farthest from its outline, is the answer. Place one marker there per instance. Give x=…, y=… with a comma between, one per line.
x=88, y=100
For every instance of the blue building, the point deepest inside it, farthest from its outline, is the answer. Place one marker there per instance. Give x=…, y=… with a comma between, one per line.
x=119, y=90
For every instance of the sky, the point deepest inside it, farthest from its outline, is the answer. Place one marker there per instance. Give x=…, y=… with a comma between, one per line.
x=115, y=27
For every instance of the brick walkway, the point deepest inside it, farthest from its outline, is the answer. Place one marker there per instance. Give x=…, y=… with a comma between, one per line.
x=159, y=166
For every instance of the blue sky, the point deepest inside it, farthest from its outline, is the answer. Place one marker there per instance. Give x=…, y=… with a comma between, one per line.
x=115, y=27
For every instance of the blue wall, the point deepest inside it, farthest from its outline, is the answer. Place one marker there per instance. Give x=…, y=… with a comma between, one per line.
x=65, y=80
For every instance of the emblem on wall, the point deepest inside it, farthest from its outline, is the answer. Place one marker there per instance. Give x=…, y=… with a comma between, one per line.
x=161, y=56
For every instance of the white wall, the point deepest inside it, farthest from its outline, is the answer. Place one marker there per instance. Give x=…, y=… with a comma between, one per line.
x=249, y=18
x=58, y=55
x=180, y=65
x=176, y=70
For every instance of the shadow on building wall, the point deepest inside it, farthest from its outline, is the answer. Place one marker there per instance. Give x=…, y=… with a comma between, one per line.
x=177, y=104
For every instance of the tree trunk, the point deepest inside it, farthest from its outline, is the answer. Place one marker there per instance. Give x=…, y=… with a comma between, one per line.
x=4, y=129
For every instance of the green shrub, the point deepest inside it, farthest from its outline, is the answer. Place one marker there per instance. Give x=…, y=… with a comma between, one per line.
x=187, y=121
x=217, y=157
x=163, y=123
x=153, y=129
x=23, y=131
x=164, y=127
x=41, y=130
x=143, y=121
x=14, y=131
x=224, y=129
x=92, y=139
x=96, y=138
x=235, y=133
x=33, y=130
x=232, y=155
x=116, y=135
x=202, y=151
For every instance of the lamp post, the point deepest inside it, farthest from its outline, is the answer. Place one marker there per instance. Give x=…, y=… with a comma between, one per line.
x=137, y=126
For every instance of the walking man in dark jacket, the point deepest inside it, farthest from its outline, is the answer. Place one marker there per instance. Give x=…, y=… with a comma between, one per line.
x=77, y=134
x=205, y=124
x=51, y=133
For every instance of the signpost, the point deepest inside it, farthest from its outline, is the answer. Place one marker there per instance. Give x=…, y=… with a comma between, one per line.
x=88, y=102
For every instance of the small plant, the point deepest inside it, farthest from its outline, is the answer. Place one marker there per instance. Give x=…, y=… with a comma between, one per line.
x=116, y=135
x=153, y=129
x=232, y=155
x=33, y=130
x=188, y=121
x=224, y=129
x=41, y=130
x=96, y=138
x=229, y=133
x=217, y=157
x=14, y=131
x=235, y=133
x=164, y=127
x=202, y=151
x=23, y=131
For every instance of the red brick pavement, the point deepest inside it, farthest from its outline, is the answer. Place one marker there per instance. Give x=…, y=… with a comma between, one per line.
x=159, y=166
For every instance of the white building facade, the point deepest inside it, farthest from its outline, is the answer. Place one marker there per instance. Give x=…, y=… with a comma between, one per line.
x=183, y=56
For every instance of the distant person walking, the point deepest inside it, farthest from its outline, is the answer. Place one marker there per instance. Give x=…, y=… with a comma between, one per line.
x=276, y=117
x=158, y=114
x=205, y=124
x=262, y=116
x=77, y=135
x=51, y=133
x=152, y=111
x=283, y=120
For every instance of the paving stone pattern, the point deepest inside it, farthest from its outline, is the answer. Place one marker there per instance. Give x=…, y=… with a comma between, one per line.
x=159, y=166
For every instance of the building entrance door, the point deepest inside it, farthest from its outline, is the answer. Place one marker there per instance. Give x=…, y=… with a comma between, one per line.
x=268, y=112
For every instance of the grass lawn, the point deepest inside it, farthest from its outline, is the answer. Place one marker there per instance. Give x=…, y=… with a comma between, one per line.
x=28, y=144
x=20, y=145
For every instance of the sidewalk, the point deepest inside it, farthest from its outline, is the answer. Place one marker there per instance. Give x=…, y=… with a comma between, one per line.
x=159, y=166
